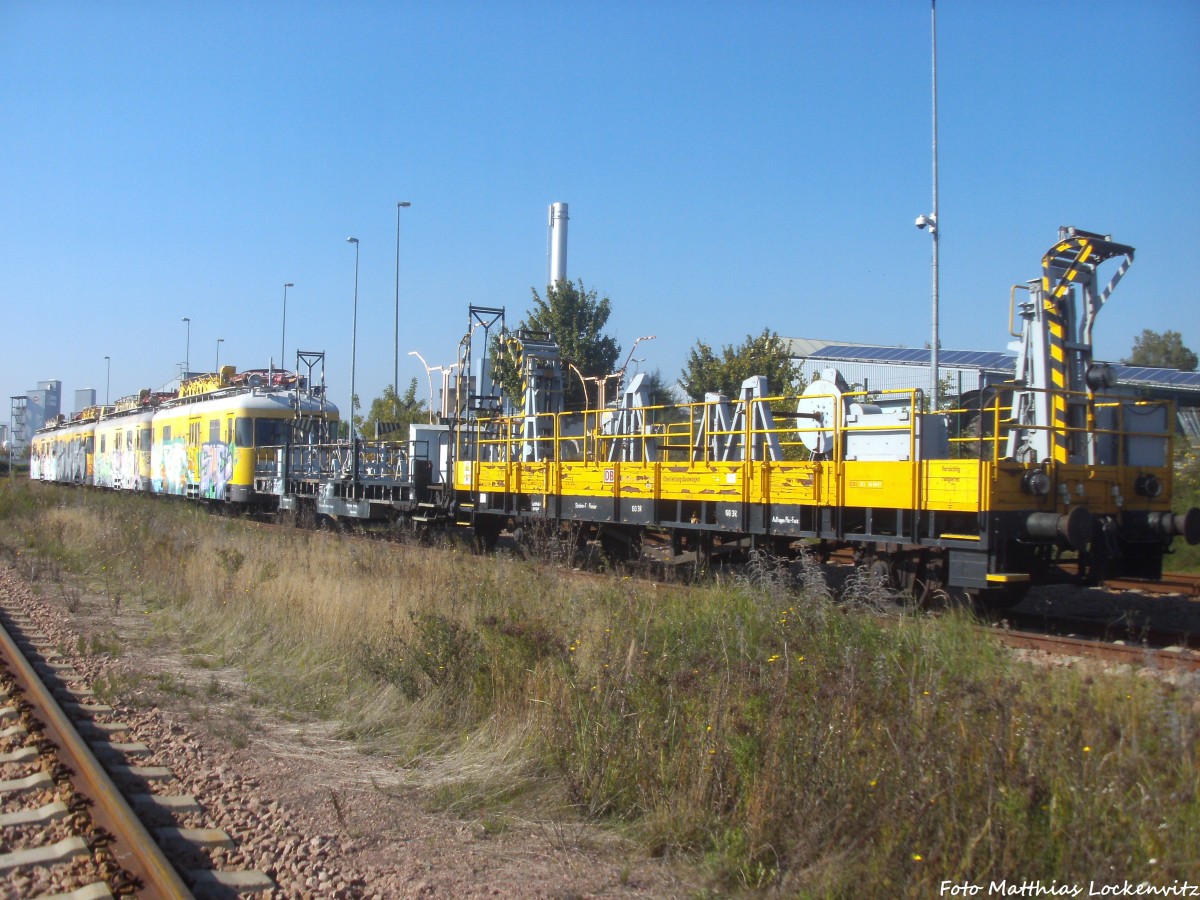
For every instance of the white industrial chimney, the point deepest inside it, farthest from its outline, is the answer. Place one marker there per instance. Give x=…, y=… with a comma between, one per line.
x=558, y=242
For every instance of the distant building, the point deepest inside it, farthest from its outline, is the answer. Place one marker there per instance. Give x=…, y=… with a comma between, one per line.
x=84, y=397
x=42, y=404
x=873, y=367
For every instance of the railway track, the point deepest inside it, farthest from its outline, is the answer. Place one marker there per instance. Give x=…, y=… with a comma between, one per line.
x=66, y=828
x=1172, y=583
x=1165, y=658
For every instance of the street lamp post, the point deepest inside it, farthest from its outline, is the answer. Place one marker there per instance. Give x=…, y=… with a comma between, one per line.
x=934, y=387
x=931, y=222
x=107, y=379
x=648, y=337
x=187, y=348
x=429, y=377
x=402, y=204
x=582, y=384
x=283, y=332
x=220, y=341
x=353, y=333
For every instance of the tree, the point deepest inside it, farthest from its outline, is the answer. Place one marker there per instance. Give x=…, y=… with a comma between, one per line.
x=1165, y=350
x=575, y=318
x=343, y=428
x=390, y=409
x=765, y=354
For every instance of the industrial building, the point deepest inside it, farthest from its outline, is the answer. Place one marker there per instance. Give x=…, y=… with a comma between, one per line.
x=84, y=398
x=30, y=411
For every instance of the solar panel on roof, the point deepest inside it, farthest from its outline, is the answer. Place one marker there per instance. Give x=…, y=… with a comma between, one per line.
x=1146, y=375
x=985, y=359
x=995, y=360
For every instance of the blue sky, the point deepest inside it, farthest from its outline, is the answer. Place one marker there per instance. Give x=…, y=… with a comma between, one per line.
x=729, y=166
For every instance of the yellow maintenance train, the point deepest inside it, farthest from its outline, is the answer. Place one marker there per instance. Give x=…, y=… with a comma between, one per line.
x=1062, y=472
x=1059, y=476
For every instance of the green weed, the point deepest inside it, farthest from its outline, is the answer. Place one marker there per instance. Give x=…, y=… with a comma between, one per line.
x=776, y=738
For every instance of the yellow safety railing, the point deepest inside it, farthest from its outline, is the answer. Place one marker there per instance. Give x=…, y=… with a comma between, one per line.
x=675, y=429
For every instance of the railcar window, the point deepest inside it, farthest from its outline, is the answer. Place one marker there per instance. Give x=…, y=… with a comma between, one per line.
x=166, y=432
x=244, y=432
x=214, y=431
x=102, y=443
x=90, y=445
x=144, y=439
x=129, y=440
x=271, y=432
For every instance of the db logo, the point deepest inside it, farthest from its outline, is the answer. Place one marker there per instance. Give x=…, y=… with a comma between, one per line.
x=610, y=476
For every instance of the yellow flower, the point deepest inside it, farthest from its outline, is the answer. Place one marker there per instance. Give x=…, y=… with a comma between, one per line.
x=917, y=857
x=1087, y=749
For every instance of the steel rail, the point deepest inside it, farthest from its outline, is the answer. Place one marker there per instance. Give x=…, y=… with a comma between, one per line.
x=1184, y=583
x=1070, y=646
x=134, y=848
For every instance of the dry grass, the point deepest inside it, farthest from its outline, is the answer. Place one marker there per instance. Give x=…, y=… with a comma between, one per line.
x=783, y=740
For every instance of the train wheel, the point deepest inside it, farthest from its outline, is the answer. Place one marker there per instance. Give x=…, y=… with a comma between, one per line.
x=487, y=532
x=621, y=546
x=998, y=599
x=883, y=568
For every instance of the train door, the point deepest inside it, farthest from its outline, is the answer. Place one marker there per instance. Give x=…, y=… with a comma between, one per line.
x=129, y=467
x=144, y=456
x=214, y=465
x=110, y=464
x=193, y=456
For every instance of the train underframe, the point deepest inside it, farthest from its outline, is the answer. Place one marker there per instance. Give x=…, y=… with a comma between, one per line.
x=993, y=557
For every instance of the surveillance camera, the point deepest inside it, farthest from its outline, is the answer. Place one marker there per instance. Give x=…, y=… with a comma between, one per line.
x=922, y=222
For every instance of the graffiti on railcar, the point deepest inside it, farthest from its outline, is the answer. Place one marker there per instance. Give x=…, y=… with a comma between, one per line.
x=105, y=465
x=168, y=467
x=126, y=474
x=217, y=463
x=70, y=461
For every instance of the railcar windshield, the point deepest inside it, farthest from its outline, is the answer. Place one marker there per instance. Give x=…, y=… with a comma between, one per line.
x=271, y=432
